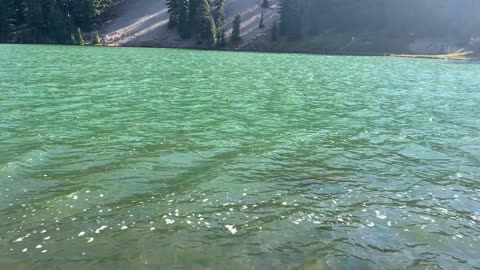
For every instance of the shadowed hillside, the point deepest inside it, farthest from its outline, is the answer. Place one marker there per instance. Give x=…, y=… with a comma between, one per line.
x=370, y=27
x=145, y=23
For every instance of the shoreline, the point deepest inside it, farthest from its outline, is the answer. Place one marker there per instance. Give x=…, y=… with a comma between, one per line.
x=468, y=56
x=453, y=56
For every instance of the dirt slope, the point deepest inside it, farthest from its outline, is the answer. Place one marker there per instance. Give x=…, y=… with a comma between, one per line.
x=144, y=23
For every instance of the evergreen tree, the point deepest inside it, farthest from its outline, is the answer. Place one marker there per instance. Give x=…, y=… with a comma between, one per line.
x=219, y=13
x=173, y=8
x=42, y=21
x=79, y=37
x=221, y=40
x=73, y=40
x=86, y=13
x=96, y=38
x=56, y=25
x=261, y=25
x=236, y=29
x=38, y=21
x=21, y=10
x=193, y=19
x=7, y=21
x=208, y=30
x=291, y=18
x=219, y=17
x=203, y=19
x=265, y=4
x=183, y=26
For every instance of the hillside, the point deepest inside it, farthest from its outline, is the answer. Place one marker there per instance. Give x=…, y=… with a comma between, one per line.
x=370, y=27
x=311, y=26
x=379, y=26
x=145, y=23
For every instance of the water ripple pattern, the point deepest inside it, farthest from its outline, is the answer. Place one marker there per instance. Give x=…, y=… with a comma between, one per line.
x=130, y=158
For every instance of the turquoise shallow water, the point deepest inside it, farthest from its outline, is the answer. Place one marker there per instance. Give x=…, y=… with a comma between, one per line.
x=129, y=158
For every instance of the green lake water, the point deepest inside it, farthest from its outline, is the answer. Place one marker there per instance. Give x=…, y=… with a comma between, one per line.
x=130, y=158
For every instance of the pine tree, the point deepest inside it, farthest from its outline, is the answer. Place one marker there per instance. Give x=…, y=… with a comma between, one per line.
x=219, y=17
x=193, y=6
x=96, y=38
x=38, y=21
x=291, y=19
x=208, y=30
x=183, y=26
x=73, y=40
x=236, y=29
x=173, y=12
x=219, y=13
x=7, y=21
x=221, y=40
x=265, y=4
x=21, y=9
x=261, y=25
x=79, y=37
x=57, y=29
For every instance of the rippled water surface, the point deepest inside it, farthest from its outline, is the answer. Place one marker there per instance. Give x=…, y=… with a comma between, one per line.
x=118, y=158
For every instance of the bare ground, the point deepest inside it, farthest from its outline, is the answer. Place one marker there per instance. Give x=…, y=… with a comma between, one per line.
x=144, y=23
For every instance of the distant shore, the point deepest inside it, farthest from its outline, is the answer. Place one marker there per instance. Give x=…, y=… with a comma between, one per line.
x=458, y=56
